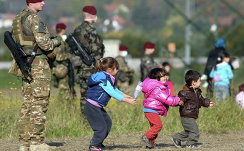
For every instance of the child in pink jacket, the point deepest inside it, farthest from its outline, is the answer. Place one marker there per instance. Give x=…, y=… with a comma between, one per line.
x=157, y=102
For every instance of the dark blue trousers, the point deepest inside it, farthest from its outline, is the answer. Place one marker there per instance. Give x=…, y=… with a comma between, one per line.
x=99, y=121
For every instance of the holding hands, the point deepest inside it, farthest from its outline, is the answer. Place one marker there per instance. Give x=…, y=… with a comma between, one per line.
x=181, y=103
x=129, y=99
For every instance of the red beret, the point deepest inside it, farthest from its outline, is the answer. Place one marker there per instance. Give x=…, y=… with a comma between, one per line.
x=90, y=9
x=149, y=45
x=123, y=48
x=61, y=26
x=33, y=1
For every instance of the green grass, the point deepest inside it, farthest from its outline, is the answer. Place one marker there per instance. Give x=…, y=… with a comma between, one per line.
x=63, y=119
x=9, y=81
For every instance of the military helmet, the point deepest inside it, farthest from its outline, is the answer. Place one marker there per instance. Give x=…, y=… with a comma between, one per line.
x=60, y=71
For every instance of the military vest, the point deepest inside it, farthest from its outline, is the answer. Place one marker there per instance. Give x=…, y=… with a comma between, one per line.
x=21, y=34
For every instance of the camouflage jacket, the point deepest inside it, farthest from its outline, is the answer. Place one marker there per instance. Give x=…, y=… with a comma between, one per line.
x=29, y=24
x=123, y=66
x=87, y=35
x=61, y=59
x=125, y=73
x=63, y=51
x=33, y=26
x=147, y=64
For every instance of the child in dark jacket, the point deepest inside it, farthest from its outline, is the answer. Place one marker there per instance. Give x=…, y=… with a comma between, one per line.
x=101, y=89
x=193, y=100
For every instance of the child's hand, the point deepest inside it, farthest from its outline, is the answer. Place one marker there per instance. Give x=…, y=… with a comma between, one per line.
x=129, y=100
x=181, y=103
x=211, y=104
x=127, y=96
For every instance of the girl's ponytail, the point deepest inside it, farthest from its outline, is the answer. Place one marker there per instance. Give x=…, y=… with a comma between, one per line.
x=99, y=65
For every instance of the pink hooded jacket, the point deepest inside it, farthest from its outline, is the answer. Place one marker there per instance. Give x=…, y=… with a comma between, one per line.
x=157, y=96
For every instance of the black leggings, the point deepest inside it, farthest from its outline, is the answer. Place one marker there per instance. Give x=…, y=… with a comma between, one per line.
x=100, y=123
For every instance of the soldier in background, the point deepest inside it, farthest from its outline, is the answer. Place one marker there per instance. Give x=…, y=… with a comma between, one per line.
x=87, y=35
x=124, y=77
x=32, y=34
x=62, y=67
x=147, y=62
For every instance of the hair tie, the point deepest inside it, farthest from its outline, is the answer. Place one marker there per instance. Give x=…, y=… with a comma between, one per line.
x=219, y=59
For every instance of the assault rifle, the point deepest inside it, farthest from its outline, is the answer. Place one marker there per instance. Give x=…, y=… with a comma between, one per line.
x=19, y=55
x=71, y=77
x=79, y=50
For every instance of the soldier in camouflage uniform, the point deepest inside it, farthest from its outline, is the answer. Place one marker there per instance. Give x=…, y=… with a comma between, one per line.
x=87, y=35
x=60, y=69
x=29, y=31
x=124, y=77
x=147, y=62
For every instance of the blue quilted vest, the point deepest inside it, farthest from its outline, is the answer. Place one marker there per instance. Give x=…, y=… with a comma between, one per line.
x=95, y=92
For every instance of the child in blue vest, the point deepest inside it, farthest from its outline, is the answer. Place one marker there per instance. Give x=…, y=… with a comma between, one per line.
x=101, y=89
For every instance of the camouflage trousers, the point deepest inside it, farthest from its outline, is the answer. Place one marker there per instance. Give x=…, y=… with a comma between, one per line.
x=83, y=90
x=64, y=91
x=83, y=79
x=33, y=110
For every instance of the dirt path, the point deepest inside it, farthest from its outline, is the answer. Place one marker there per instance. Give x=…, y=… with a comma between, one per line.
x=231, y=141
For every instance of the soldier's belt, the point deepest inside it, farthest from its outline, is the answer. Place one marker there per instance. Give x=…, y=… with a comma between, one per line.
x=29, y=51
x=41, y=56
x=36, y=55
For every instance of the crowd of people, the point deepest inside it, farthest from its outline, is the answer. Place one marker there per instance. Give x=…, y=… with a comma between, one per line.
x=52, y=58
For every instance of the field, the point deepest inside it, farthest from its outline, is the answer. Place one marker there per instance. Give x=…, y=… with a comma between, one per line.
x=229, y=141
x=221, y=126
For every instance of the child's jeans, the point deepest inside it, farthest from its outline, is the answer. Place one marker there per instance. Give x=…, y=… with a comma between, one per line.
x=155, y=126
x=221, y=92
x=100, y=123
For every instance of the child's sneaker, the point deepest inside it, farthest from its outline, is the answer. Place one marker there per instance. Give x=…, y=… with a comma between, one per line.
x=176, y=142
x=155, y=146
x=196, y=145
x=147, y=142
x=94, y=148
x=104, y=147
